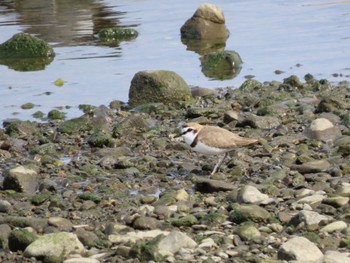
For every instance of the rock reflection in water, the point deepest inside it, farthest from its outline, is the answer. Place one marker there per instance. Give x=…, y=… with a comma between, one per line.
x=65, y=22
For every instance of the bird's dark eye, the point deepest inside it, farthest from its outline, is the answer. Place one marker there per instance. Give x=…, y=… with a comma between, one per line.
x=189, y=129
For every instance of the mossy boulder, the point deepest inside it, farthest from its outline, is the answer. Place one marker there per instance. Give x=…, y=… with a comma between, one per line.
x=24, y=52
x=56, y=115
x=75, y=125
x=24, y=45
x=157, y=86
x=117, y=34
x=221, y=65
x=20, y=238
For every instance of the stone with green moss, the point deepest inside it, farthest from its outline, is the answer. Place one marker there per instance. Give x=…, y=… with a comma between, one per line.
x=117, y=34
x=24, y=45
x=24, y=52
x=100, y=139
x=27, y=106
x=38, y=115
x=221, y=65
x=242, y=213
x=147, y=251
x=56, y=115
x=20, y=128
x=75, y=125
x=157, y=86
x=187, y=220
x=20, y=238
x=90, y=196
x=248, y=231
x=40, y=198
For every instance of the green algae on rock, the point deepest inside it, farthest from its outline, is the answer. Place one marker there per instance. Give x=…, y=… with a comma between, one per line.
x=221, y=65
x=24, y=45
x=117, y=34
x=157, y=86
x=24, y=52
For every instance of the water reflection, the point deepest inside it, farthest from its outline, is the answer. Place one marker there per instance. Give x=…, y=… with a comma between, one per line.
x=64, y=22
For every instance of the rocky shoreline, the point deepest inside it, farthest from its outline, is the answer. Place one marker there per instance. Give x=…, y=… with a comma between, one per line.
x=114, y=185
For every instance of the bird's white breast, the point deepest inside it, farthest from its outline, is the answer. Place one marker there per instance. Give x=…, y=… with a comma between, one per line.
x=203, y=148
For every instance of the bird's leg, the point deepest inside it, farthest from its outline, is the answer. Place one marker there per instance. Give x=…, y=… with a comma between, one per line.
x=217, y=166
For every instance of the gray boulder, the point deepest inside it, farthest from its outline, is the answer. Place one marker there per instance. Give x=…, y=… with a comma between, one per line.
x=157, y=86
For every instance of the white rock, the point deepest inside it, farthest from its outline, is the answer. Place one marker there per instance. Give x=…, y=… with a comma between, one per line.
x=344, y=189
x=335, y=226
x=312, y=219
x=299, y=249
x=207, y=243
x=312, y=199
x=134, y=236
x=174, y=242
x=336, y=257
x=81, y=260
x=251, y=195
x=55, y=244
x=320, y=124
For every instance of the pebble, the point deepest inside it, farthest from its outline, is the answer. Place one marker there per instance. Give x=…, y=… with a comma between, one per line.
x=251, y=195
x=334, y=226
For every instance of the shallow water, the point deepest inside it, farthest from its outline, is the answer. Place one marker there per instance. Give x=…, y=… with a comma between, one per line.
x=297, y=37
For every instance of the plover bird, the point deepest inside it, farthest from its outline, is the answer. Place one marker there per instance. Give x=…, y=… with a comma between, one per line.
x=212, y=140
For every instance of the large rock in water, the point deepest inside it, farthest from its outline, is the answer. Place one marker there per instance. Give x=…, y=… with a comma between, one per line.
x=24, y=45
x=157, y=86
x=24, y=52
x=208, y=22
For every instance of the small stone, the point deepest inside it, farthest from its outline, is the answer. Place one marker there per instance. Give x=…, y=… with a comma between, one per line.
x=81, y=260
x=312, y=167
x=5, y=206
x=312, y=220
x=174, y=242
x=248, y=232
x=207, y=243
x=335, y=226
x=251, y=195
x=299, y=249
x=145, y=223
x=181, y=195
x=62, y=224
x=205, y=185
x=202, y=92
x=187, y=220
x=133, y=237
x=260, y=122
x=312, y=200
x=242, y=213
x=344, y=189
